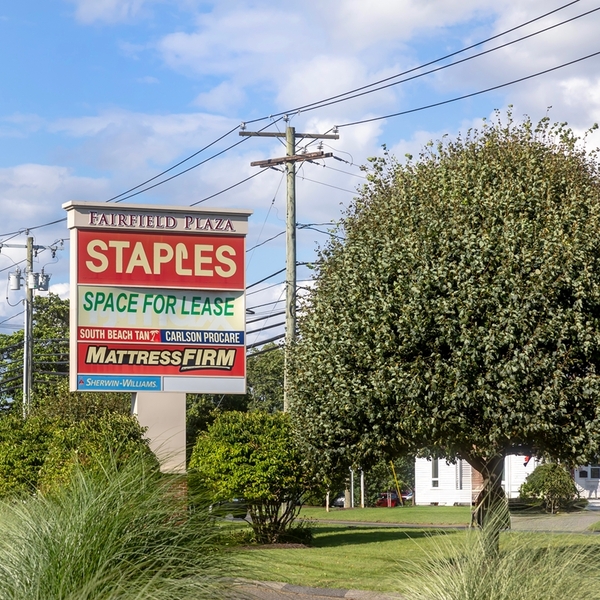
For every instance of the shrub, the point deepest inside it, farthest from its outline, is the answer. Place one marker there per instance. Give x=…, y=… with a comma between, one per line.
x=551, y=483
x=42, y=452
x=23, y=449
x=91, y=444
x=110, y=534
x=254, y=456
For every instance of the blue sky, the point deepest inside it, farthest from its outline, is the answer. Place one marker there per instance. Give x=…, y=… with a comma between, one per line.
x=97, y=96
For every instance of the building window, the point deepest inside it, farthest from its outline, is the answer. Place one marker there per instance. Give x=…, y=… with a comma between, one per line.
x=435, y=473
x=459, y=474
x=595, y=471
x=583, y=474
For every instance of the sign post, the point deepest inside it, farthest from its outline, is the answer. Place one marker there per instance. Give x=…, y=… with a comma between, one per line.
x=157, y=307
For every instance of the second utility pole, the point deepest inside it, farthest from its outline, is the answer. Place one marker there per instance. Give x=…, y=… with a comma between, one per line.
x=290, y=261
x=28, y=331
x=290, y=160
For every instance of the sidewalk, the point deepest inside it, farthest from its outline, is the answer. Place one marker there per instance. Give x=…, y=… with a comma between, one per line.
x=271, y=590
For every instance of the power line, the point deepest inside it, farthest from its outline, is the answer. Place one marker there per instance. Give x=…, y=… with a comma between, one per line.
x=490, y=89
x=265, y=304
x=266, y=241
x=265, y=327
x=329, y=233
x=266, y=219
x=318, y=104
x=271, y=314
x=10, y=318
x=26, y=229
x=263, y=342
x=265, y=278
x=324, y=102
x=458, y=62
x=338, y=170
x=335, y=187
x=202, y=162
x=229, y=188
x=259, y=352
x=266, y=287
x=114, y=198
x=298, y=225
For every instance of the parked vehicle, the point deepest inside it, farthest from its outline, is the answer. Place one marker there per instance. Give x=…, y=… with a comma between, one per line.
x=407, y=495
x=339, y=502
x=388, y=499
x=236, y=507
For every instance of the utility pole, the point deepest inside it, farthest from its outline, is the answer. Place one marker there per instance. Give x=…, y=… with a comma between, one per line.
x=290, y=160
x=28, y=329
x=290, y=261
x=32, y=281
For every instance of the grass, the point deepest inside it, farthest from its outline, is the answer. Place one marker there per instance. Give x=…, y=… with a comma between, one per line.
x=381, y=559
x=528, y=567
x=359, y=558
x=595, y=527
x=118, y=534
x=413, y=515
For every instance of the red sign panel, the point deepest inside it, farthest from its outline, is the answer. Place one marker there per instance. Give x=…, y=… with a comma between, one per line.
x=155, y=359
x=161, y=260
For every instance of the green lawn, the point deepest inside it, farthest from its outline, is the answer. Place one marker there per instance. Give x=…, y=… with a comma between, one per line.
x=413, y=515
x=380, y=559
x=340, y=557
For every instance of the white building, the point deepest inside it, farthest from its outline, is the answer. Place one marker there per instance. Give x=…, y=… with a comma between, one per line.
x=439, y=482
x=587, y=480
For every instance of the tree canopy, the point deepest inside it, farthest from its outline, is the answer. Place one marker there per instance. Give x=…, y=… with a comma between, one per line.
x=458, y=309
x=50, y=351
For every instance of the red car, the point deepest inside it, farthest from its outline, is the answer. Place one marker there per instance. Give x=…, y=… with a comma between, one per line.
x=388, y=499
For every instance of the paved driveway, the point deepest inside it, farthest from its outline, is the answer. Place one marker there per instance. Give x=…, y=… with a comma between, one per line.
x=563, y=523
x=284, y=591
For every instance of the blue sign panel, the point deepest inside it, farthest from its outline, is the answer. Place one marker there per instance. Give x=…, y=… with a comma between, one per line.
x=119, y=383
x=195, y=336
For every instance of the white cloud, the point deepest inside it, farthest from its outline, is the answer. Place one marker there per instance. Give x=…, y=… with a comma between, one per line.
x=122, y=140
x=20, y=125
x=569, y=90
x=147, y=79
x=251, y=42
x=38, y=191
x=32, y=195
x=221, y=99
x=61, y=289
x=109, y=11
x=362, y=24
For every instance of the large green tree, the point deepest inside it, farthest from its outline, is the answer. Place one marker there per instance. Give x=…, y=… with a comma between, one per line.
x=458, y=310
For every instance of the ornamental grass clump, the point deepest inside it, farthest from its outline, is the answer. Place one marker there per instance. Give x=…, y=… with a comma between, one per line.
x=524, y=569
x=118, y=533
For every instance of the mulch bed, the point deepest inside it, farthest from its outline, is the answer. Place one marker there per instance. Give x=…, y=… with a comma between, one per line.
x=274, y=547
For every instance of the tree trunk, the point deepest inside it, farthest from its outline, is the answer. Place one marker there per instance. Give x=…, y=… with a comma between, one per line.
x=491, y=508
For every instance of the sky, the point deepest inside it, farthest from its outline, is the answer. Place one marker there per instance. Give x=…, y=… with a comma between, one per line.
x=98, y=96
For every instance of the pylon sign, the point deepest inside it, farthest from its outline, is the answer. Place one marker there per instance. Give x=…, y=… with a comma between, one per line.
x=157, y=298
